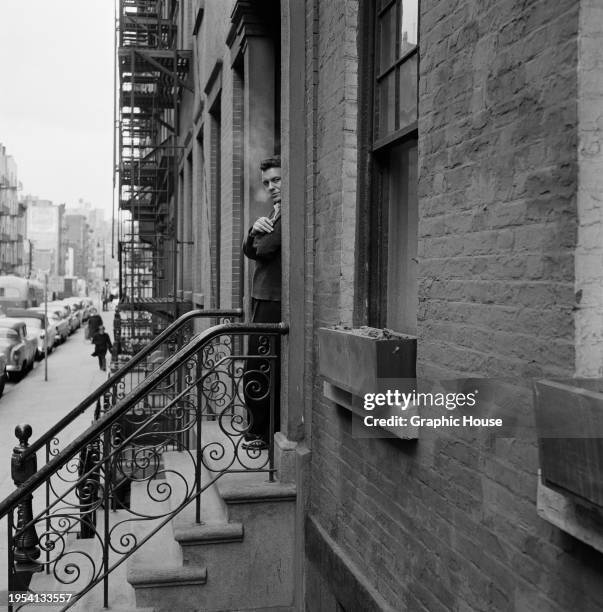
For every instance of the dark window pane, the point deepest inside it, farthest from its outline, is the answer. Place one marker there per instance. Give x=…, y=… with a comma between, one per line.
x=402, y=220
x=387, y=104
x=387, y=38
x=408, y=93
x=409, y=26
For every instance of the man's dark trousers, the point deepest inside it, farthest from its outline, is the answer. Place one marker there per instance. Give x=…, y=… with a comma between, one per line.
x=255, y=384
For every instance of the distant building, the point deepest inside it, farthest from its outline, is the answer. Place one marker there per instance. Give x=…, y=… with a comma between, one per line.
x=44, y=233
x=100, y=263
x=11, y=217
x=77, y=238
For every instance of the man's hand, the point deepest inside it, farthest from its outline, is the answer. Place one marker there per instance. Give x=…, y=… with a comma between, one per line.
x=262, y=226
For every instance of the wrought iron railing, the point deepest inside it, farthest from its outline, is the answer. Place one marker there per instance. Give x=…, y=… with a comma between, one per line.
x=130, y=374
x=195, y=403
x=116, y=387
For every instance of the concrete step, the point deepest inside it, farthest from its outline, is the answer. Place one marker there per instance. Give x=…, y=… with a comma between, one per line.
x=239, y=557
x=156, y=571
x=245, y=540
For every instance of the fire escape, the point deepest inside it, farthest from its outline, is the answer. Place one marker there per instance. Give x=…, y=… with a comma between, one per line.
x=152, y=72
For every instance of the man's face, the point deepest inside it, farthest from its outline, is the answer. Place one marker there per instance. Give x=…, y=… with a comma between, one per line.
x=271, y=179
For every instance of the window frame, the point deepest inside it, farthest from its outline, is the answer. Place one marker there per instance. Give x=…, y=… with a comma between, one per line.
x=370, y=307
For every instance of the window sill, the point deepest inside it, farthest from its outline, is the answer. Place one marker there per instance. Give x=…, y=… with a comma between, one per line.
x=569, y=426
x=583, y=522
x=354, y=404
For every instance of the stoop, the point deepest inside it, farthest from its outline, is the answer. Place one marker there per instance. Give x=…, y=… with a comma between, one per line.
x=240, y=558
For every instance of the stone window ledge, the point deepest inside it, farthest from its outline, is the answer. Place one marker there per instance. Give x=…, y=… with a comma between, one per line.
x=580, y=520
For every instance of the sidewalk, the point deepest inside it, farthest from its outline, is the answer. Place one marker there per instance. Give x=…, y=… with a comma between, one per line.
x=72, y=375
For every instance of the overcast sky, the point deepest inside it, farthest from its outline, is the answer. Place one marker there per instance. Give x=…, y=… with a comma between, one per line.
x=56, y=97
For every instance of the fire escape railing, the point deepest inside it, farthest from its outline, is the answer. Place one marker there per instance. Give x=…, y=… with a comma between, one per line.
x=210, y=381
x=152, y=72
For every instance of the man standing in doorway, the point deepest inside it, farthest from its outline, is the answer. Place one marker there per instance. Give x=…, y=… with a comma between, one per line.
x=263, y=245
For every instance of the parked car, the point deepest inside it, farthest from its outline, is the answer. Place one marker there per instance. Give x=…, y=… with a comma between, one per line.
x=77, y=308
x=75, y=319
x=58, y=319
x=36, y=324
x=65, y=313
x=3, y=374
x=18, y=347
x=68, y=312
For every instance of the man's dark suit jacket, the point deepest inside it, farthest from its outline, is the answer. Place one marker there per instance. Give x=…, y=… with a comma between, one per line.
x=265, y=250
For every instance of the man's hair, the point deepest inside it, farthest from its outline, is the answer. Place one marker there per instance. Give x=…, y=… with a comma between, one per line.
x=270, y=162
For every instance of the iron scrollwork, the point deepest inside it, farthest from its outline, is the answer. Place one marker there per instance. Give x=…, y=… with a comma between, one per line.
x=198, y=409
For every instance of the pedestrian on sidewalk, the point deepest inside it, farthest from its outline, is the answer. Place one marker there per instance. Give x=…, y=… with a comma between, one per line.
x=94, y=324
x=106, y=294
x=102, y=344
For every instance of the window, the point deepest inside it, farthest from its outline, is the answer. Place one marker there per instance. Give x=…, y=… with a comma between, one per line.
x=396, y=66
x=393, y=153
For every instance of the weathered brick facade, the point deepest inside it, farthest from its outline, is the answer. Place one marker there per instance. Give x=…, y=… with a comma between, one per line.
x=447, y=522
x=450, y=522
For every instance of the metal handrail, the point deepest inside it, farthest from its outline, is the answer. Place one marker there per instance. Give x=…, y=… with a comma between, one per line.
x=122, y=407
x=114, y=378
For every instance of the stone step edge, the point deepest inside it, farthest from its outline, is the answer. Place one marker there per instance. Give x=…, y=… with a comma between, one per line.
x=175, y=464
x=208, y=533
x=154, y=577
x=235, y=491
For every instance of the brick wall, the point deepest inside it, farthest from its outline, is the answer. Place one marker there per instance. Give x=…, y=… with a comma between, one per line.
x=450, y=522
x=498, y=172
x=209, y=47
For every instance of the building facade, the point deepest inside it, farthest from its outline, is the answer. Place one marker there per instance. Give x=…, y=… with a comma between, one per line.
x=11, y=217
x=44, y=234
x=441, y=172
x=77, y=238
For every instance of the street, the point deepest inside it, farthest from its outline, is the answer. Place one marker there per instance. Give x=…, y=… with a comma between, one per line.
x=72, y=375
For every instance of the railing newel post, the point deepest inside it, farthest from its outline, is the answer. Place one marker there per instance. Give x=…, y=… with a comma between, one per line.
x=10, y=555
x=25, y=543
